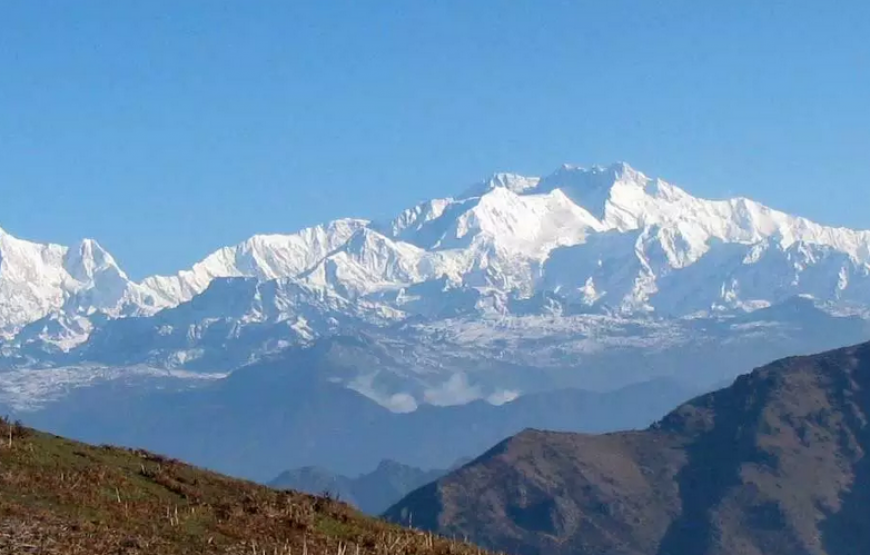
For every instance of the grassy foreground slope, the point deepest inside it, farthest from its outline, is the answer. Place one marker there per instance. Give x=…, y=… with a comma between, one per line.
x=63, y=497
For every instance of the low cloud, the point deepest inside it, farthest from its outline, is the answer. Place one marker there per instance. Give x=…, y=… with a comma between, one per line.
x=397, y=402
x=455, y=391
x=502, y=397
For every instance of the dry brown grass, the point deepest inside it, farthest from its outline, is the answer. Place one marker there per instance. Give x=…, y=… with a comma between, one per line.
x=62, y=497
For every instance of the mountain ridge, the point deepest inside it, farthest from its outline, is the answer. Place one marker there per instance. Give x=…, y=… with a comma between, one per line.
x=607, y=251
x=503, y=215
x=774, y=464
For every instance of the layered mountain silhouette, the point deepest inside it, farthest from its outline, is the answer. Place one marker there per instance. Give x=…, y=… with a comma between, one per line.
x=282, y=414
x=372, y=492
x=585, y=300
x=776, y=464
x=596, y=279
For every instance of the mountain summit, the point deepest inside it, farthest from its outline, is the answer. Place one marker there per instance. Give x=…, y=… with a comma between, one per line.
x=37, y=279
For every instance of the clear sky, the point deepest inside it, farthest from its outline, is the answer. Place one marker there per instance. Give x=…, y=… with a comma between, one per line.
x=166, y=129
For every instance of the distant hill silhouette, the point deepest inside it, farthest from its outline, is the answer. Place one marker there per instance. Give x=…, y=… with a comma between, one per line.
x=372, y=492
x=273, y=416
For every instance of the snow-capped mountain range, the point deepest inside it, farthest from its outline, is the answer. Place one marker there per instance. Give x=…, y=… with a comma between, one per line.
x=600, y=237
x=522, y=302
x=579, y=246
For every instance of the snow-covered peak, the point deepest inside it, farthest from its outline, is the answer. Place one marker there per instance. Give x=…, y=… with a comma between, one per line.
x=274, y=256
x=601, y=236
x=621, y=198
x=633, y=205
x=528, y=224
x=367, y=241
x=500, y=236
x=410, y=222
x=512, y=182
x=370, y=261
x=593, y=188
x=88, y=259
x=262, y=256
x=39, y=279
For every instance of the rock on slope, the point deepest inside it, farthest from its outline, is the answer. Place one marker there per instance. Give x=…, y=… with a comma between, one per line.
x=776, y=464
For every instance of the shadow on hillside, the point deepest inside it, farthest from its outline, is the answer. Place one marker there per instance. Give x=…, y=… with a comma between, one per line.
x=713, y=466
x=846, y=532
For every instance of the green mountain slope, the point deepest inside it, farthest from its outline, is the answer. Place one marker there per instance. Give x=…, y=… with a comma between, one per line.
x=63, y=497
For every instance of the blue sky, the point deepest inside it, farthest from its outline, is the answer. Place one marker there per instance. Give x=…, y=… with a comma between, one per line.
x=166, y=129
